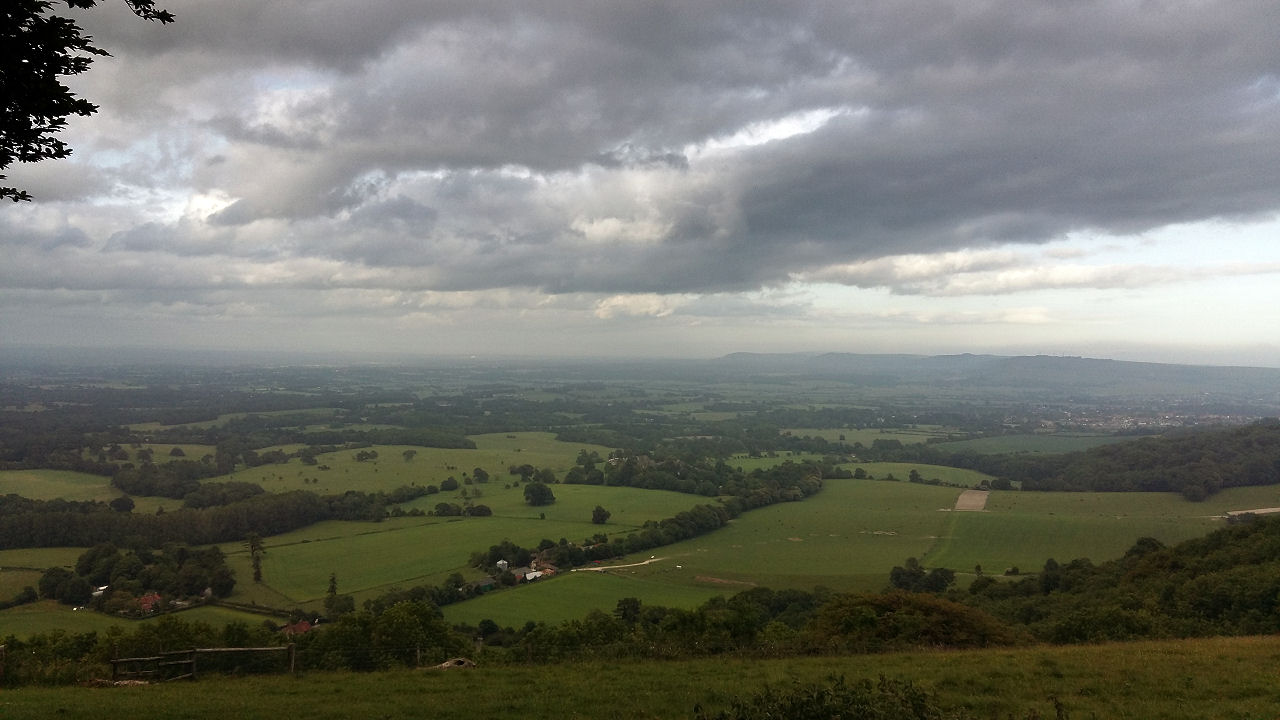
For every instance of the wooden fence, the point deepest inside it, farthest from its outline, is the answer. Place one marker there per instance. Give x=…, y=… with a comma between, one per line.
x=184, y=663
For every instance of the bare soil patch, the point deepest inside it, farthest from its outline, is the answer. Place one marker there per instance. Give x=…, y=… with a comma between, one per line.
x=972, y=501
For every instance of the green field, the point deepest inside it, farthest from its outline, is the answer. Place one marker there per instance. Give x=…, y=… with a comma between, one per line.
x=850, y=536
x=54, y=484
x=40, y=557
x=1232, y=678
x=428, y=466
x=12, y=581
x=1023, y=529
x=571, y=595
x=902, y=471
x=847, y=537
x=630, y=507
x=47, y=615
x=1036, y=443
x=748, y=464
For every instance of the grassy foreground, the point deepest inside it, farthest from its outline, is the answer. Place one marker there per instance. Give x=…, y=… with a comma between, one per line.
x=1216, y=678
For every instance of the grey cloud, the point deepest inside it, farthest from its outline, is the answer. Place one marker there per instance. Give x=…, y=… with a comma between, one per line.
x=240, y=212
x=45, y=240
x=461, y=138
x=147, y=237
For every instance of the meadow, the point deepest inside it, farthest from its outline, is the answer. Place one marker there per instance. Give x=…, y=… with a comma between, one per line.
x=48, y=616
x=54, y=484
x=902, y=471
x=570, y=596
x=495, y=453
x=1228, y=678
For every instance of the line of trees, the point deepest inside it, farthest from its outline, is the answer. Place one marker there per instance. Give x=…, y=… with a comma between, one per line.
x=60, y=523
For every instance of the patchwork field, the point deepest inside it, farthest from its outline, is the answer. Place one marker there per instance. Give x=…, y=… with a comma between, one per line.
x=370, y=557
x=847, y=537
x=850, y=536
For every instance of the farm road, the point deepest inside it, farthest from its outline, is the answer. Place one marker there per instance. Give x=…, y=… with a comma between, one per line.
x=972, y=501
x=602, y=568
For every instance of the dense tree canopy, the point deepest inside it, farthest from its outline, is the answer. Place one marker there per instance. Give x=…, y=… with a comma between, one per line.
x=536, y=493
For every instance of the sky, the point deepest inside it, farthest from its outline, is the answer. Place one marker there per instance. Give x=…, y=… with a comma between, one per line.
x=664, y=179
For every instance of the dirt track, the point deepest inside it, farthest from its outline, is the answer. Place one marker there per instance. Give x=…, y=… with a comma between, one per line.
x=602, y=568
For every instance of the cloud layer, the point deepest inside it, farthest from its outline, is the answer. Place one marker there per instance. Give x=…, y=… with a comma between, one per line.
x=628, y=159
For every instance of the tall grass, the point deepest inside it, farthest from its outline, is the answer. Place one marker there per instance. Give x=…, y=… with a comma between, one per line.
x=1175, y=680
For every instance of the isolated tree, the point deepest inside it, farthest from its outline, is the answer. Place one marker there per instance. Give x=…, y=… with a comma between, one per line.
x=408, y=454
x=600, y=516
x=628, y=610
x=254, y=543
x=39, y=49
x=536, y=493
x=336, y=605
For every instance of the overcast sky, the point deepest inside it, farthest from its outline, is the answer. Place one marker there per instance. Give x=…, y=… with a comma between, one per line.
x=665, y=179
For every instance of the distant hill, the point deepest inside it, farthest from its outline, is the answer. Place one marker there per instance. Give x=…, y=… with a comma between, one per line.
x=1039, y=372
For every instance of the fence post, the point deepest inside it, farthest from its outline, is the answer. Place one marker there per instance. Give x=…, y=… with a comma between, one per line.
x=293, y=656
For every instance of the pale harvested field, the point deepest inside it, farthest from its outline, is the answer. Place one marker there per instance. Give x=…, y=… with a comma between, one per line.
x=972, y=501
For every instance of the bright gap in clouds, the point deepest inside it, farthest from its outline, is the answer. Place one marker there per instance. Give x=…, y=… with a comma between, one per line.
x=1210, y=285
x=759, y=133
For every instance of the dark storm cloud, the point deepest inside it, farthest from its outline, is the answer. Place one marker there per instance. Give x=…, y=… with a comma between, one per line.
x=605, y=147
